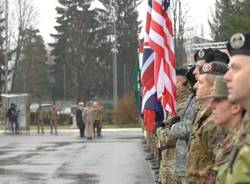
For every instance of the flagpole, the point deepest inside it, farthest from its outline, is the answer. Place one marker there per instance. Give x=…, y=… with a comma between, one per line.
x=114, y=51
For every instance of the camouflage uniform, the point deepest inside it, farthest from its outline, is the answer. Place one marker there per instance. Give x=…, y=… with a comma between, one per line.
x=181, y=132
x=223, y=156
x=54, y=117
x=168, y=144
x=237, y=169
x=238, y=172
x=98, y=113
x=204, y=138
x=168, y=158
x=40, y=114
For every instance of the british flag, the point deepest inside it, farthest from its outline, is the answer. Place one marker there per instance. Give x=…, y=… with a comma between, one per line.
x=149, y=97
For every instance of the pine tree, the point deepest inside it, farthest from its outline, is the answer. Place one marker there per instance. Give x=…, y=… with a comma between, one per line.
x=230, y=16
x=32, y=73
x=80, y=51
x=127, y=31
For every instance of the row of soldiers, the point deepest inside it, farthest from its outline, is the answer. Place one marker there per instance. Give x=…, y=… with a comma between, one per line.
x=209, y=141
x=53, y=116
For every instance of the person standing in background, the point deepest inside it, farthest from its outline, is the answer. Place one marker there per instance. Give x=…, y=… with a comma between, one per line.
x=53, y=116
x=98, y=111
x=89, y=120
x=40, y=118
x=12, y=115
x=79, y=119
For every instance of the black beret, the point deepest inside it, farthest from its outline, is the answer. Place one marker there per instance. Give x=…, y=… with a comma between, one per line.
x=181, y=71
x=215, y=68
x=220, y=56
x=190, y=76
x=204, y=54
x=239, y=44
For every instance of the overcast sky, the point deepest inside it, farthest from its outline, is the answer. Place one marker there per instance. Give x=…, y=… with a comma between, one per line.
x=200, y=11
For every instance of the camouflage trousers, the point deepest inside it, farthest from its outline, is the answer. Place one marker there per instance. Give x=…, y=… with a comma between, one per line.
x=152, y=144
x=167, y=167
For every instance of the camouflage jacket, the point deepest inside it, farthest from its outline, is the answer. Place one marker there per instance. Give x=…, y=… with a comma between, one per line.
x=238, y=170
x=166, y=137
x=238, y=167
x=167, y=141
x=98, y=113
x=222, y=158
x=40, y=114
x=181, y=99
x=53, y=114
x=204, y=138
x=181, y=131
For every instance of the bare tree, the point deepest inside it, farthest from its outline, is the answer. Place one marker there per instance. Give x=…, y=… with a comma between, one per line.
x=180, y=18
x=24, y=15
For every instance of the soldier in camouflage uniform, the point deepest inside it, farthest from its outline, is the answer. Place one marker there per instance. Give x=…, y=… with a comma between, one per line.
x=205, y=135
x=40, y=118
x=228, y=115
x=239, y=92
x=182, y=129
x=98, y=113
x=167, y=140
x=54, y=117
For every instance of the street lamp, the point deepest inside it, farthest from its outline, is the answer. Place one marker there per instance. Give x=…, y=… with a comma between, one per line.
x=114, y=51
x=7, y=47
x=115, y=98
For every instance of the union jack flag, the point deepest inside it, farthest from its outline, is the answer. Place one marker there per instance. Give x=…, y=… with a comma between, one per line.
x=149, y=97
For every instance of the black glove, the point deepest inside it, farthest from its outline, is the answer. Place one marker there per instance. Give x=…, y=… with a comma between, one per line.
x=160, y=124
x=173, y=120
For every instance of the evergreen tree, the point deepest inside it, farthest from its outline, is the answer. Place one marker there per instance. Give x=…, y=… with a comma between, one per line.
x=230, y=16
x=80, y=52
x=32, y=73
x=127, y=28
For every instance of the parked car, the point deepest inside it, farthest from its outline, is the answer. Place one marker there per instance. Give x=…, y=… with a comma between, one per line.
x=65, y=116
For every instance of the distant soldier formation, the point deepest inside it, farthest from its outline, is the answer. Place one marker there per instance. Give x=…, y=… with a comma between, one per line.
x=208, y=141
x=88, y=119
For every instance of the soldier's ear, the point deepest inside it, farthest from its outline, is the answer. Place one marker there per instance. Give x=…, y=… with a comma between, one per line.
x=236, y=108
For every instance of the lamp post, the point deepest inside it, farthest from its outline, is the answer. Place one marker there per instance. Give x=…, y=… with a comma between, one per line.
x=114, y=52
x=7, y=46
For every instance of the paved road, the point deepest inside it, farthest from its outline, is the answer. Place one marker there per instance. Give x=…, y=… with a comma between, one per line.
x=116, y=158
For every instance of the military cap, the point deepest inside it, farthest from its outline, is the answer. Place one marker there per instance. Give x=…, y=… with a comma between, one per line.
x=220, y=56
x=220, y=90
x=239, y=44
x=215, y=68
x=210, y=55
x=181, y=71
x=204, y=54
